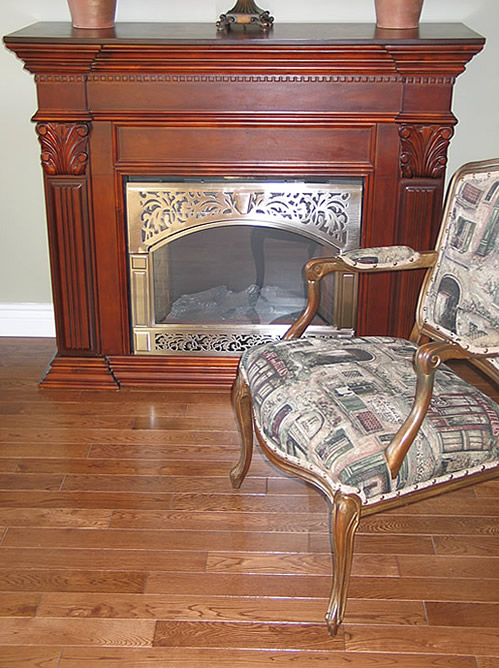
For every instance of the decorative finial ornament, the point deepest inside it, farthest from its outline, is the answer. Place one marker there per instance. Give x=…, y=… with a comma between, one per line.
x=246, y=12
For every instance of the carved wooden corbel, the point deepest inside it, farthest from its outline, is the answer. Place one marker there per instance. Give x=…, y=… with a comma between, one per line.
x=64, y=148
x=423, y=150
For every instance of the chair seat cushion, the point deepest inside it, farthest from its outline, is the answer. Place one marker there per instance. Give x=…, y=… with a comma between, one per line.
x=332, y=407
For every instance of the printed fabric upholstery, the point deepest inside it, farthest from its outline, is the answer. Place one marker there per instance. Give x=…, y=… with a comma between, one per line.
x=462, y=298
x=333, y=408
x=384, y=256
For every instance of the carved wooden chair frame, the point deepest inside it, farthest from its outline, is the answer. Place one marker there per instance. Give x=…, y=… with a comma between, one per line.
x=433, y=350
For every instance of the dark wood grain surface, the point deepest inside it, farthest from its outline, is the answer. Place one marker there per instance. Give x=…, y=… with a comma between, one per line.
x=349, y=33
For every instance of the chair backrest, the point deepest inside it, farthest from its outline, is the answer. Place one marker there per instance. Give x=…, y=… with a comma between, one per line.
x=460, y=298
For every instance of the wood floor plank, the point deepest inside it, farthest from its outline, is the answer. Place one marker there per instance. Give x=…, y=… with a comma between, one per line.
x=310, y=522
x=22, y=406
x=33, y=395
x=422, y=639
x=72, y=448
x=449, y=566
x=487, y=546
x=190, y=521
x=488, y=661
x=18, y=604
x=425, y=588
x=155, y=484
x=174, y=657
x=30, y=657
x=481, y=615
x=289, y=486
x=448, y=504
x=370, y=543
x=168, y=467
x=193, y=397
x=56, y=423
x=449, y=525
x=239, y=584
x=55, y=517
x=219, y=521
x=489, y=488
x=361, y=587
x=137, y=560
x=10, y=465
x=247, y=503
x=209, y=423
x=163, y=450
x=306, y=564
x=91, y=500
x=201, y=607
x=71, y=580
x=246, y=635
x=37, y=481
x=129, y=437
x=47, y=631
x=155, y=540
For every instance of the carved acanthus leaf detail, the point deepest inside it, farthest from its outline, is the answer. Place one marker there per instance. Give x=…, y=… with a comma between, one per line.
x=64, y=148
x=423, y=150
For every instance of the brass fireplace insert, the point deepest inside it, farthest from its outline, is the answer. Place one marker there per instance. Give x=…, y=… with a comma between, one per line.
x=214, y=263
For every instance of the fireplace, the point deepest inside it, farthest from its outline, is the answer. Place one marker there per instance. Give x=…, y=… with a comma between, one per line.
x=217, y=266
x=180, y=104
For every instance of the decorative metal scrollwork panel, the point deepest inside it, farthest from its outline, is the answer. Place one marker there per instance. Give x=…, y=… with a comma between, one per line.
x=197, y=342
x=218, y=343
x=329, y=212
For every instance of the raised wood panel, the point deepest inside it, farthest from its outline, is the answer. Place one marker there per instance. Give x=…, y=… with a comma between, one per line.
x=327, y=148
x=112, y=304
x=62, y=97
x=416, y=99
x=71, y=264
x=295, y=94
x=418, y=218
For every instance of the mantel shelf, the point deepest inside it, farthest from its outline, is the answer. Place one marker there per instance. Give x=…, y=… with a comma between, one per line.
x=281, y=33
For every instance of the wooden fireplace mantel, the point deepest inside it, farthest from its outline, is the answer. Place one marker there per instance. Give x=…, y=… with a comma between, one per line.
x=186, y=100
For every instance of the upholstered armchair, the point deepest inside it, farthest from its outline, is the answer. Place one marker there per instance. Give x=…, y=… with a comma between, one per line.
x=377, y=422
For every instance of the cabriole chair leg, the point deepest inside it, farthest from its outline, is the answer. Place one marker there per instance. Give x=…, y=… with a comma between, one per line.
x=345, y=515
x=241, y=400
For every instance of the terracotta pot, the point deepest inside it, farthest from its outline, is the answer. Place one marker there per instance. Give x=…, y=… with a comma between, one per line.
x=92, y=13
x=399, y=14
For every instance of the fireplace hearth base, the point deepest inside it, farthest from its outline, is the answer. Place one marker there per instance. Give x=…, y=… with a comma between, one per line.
x=181, y=101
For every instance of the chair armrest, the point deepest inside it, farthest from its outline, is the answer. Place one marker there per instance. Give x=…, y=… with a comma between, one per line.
x=371, y=260
x=385, y=257
x=427, y=359
x=362, y=260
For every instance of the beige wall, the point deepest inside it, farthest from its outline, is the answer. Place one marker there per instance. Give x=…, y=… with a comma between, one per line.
x=24, y=272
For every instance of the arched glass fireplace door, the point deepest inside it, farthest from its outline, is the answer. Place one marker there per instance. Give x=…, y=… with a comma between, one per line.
x=216, y=267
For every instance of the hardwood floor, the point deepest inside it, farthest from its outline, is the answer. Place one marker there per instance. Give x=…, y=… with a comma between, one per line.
x=122, y=544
